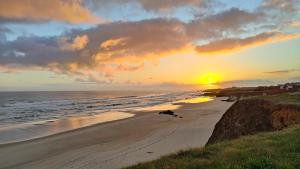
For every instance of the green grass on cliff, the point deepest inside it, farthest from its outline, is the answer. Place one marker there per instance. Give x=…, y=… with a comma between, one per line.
x=284, y=98
x=273, y=150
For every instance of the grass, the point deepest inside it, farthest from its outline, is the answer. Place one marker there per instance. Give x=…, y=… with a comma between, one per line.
x=284, y=98
x=273, y=150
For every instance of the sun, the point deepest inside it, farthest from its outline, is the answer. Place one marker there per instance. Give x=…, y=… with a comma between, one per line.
x=209, y=78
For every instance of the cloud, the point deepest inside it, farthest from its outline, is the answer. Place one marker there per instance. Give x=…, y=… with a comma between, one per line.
x=69, y=11
x=92, y=79
x=3, y=31
x=246, y=83
x=295, y=24
x=235, y=44
x=142, y=40
x=295, y=79
x=102, y=49
x=288, y=6
x=151, y=5
x=111, y=43
x=7, y=70
x=280, y=13
x=168, y=4
x=230, y=21
x=126, y=67
x=78, y=43
x=121, y=46
x=285, y=71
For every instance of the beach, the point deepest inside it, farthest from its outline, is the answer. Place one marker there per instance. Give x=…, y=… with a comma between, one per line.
x=116, y=144
x=149, y=84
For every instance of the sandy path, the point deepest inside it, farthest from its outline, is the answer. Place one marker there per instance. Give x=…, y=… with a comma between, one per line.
x=118, y=144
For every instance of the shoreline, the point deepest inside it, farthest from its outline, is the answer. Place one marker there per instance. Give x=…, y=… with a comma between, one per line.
x=119, y=143
x=41, y=129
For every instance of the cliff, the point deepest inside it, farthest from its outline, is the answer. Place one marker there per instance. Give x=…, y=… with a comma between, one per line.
x=251, y=116
x=272, y=150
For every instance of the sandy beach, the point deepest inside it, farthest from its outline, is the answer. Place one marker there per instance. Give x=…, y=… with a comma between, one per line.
x=120, y=143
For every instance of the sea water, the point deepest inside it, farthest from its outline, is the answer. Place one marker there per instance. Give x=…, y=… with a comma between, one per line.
x=27, y=115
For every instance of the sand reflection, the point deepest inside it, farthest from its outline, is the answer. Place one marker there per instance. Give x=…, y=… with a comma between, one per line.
x=159, y=107
x=196, y=100
x=29, y=131
x=78, y=122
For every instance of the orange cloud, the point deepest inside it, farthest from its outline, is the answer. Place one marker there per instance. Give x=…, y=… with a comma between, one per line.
x=108, y=44
x=152, y=5
x=295, y=24
x=168, y=4
x=235, y=44
x=70, y=11
x=7, y=69
x=78, y=43
x=126, y=45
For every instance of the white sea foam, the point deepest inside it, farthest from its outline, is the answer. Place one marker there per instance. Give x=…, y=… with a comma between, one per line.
x=28, y=107
x=28, y=115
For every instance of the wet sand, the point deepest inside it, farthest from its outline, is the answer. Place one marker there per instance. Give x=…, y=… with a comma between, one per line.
x=118, y=144
x=40, y=129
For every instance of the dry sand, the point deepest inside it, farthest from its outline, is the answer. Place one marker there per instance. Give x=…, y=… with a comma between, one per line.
x=118, y=144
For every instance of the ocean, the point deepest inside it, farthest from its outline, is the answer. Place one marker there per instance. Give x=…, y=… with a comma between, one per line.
x=27, y=107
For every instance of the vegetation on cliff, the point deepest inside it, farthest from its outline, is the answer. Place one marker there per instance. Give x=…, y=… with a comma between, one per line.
x=284, y=98
x=272, y=150
x=253, y=115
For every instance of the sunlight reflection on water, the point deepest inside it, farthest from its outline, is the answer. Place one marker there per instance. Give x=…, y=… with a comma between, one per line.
x=41, y=129
x=173, y=106
x=196, y=100
x=159, y=107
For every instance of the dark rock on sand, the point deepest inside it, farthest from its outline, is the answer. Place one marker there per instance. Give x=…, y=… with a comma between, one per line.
x=89, y=107
x=169, y=112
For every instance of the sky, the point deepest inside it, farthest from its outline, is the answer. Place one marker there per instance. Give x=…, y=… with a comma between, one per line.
x=147, y=44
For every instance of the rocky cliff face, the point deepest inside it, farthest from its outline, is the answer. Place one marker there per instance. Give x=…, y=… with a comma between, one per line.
x=250, y=116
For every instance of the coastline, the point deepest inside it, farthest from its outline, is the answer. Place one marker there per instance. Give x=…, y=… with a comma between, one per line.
x=260, y=131
x=36, y=130
x=39, y=129
x=120, y=143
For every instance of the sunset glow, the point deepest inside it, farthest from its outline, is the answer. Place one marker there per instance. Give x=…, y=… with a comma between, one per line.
x=113, y=83
x=209, y=79
x=139, y=44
